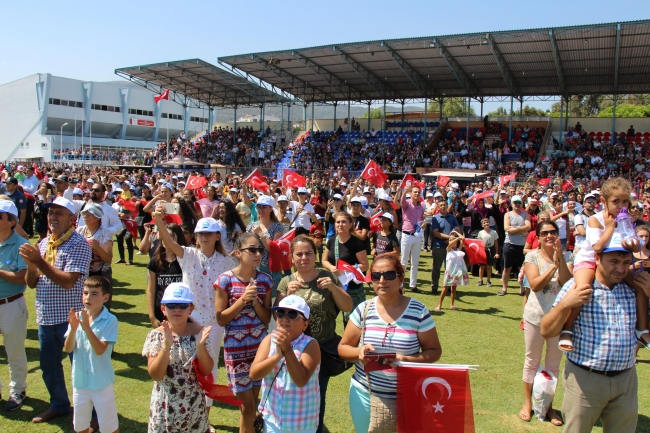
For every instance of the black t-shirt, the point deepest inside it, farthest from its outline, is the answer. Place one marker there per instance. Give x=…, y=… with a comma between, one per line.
x=347, y=251
x=165, y=275
x=363, y=223
x=385, y=244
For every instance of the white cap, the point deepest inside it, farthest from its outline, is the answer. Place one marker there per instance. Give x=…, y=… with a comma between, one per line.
x=590, y=195
x=174, y=177
x=344, y=184
x=517, y=198
x=127, y=182
x=207, y=225
x=302, y=190
x=293, y=302
x=389, y=216
x=60, y=201
x=356, y=200
x=233, y=190
x=430, y=194
x=177, y=293
x=337, y=197
x=554, y=194
x=118, y=189
x=21, y=168
x=283, y=198
x=8, y=206
x=502, y=192
x=438, y=194
x=265, y=200
x=364, y=201
x=595, y=192
x=454, y=185
x=180, y=176
x=366, y=190
x=77, y=191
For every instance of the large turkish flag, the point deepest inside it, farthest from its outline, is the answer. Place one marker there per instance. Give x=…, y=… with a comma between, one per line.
x=475, y=250
x=196, y=182
x=280, y=252
x=375, y=222
x=431, y=399
x=374, y=174
x=257, y=180
x=291, y=179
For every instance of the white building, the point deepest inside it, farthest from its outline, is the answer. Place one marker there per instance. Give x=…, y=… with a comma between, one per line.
x=98, y=114
x=258, y=118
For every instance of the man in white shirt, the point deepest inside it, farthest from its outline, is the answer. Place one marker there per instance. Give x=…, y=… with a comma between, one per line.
x=302, y=213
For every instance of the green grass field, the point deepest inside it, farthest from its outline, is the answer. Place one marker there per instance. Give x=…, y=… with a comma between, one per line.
x=485, y=332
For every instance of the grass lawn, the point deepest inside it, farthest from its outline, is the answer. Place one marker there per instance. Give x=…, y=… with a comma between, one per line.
x=485, y=332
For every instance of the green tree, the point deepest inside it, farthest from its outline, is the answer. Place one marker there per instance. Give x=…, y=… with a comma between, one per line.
x=533, y=111
x=626, y=110
x=375, y=113
x=452, y=107
x=501, y=111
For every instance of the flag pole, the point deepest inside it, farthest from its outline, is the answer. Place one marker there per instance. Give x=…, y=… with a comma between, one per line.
x=167, y=158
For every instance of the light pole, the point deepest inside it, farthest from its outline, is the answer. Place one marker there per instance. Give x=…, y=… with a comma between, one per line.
x=61, y=153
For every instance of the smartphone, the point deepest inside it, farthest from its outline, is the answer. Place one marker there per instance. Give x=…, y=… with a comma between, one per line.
x=171, y=208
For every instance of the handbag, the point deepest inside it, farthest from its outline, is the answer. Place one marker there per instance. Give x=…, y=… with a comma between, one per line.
x=383, y=411
x=259, y=420
x=331, y=364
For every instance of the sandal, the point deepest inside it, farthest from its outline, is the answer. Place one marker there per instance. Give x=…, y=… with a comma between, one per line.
x=565, y=344
x=554, y=418
x=436, y=309
x=502, y=293
x=453, y=307
x=525, y=416
x=640, y=340
x=120, y=261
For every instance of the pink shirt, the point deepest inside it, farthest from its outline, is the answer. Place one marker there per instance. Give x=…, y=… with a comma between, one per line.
x=411, y=214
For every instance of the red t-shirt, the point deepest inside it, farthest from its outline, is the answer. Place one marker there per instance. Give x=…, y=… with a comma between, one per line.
x=532, y=240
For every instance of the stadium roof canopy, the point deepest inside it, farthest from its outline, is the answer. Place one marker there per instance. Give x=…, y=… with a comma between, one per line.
x=202, y=83
x=592, y=59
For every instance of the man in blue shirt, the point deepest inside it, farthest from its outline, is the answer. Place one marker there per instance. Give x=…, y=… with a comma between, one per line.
x=18, y=198
x=13, y=311
x=600, y=379
x=441, y=225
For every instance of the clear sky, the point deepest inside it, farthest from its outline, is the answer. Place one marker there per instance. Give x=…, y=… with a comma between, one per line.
x=88, y=40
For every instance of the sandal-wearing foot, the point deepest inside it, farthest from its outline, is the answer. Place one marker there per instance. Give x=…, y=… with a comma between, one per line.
x=525, y=416
x=436, y=309
x=566, y=343
x=521, y=325
x=454, y=308
x=554, y=418
x=640, y=340
x=502, y=293
x=120, y=261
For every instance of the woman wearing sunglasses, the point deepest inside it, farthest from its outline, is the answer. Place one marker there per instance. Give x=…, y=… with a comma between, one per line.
x=287, y=363
x=547, y=269
x=266, y=228
x=391, y=324
x=170, y=349
x=243, y=305
x=325, y=297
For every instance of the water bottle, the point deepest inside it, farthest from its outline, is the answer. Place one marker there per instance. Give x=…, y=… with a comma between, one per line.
x=418, y=228
x=625, y=227
x=12, y=265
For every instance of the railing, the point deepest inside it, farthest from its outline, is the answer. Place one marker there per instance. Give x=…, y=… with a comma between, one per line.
x=544, y=146
x=519, y=118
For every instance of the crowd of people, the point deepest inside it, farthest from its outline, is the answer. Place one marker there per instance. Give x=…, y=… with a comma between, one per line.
x=210, y=283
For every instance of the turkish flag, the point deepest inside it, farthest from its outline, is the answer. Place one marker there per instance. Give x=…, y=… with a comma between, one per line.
x=431, y=399
x=280, y=252
x=216, y=392
x=503, y=180
x=409, y=180
x=566, y=185
x=443, y=180
x=37, y=172
x=132, y=227
x=544, y=182
x=126, y=204
x=200, y=193
x=374, y=174
x=196, y=182
x=164, y=95
x=482, y=195
x=291, y=179
x=358, y=275
x=475, y=249
x=375, y=222
x=257, y=180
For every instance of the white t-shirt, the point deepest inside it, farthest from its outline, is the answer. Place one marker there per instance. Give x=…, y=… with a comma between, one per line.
x=488, y=238
x=303, y=219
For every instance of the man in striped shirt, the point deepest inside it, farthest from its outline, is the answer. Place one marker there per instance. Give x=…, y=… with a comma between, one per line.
x=600, y=379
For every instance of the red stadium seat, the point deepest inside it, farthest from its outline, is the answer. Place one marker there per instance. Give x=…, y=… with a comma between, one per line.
x=504, y=135
x=592, y=133
x=646, y=135
x=453, y=134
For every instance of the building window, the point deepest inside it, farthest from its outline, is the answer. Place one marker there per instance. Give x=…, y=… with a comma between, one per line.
x=27, y=145
x=171, y=116
x=66, y=103
x=198, y=119
x=43, y=145
x=101, y=107
x=140, y=112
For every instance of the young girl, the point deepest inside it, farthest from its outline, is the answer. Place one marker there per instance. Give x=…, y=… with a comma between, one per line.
x=600, y=228
x=455, y=270
x=243, y=307
x=177, y=402
x=288, y=362
x=201, y=267
x=491, y=239
x=385, y=241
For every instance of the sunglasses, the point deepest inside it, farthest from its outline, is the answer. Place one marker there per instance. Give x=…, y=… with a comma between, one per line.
x=548, y=233
x=291, y=314
x=96, y=190
x=175, y=306
x=253, y=250
x=388, y=275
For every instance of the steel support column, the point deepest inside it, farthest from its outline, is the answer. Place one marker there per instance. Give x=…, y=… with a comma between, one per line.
x=368, y=129
x=469, y=100
x=402, y=123
x=312, y=116
x=334, y=127
x=561, y=114
x=234, y=128
x=349, y=124
x=614, y=119
x=304, y=117
x=441, y=104
x=425, y=120
x=512, y=102
x=568, y=110
x=262, y=117
x=289, y=122
x=383, y=125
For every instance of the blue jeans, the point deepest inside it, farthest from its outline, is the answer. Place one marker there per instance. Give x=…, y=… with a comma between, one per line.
x=52, y=340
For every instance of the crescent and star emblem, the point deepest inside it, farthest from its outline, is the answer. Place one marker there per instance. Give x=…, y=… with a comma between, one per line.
x=372, y=172
x=440, y=381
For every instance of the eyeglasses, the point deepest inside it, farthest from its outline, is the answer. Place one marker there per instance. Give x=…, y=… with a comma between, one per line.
x=291, y=314
x=175, y=306
x=388, y=275
x=390, y=331
x=96, y=190
x=548, y=233
x=253, y=250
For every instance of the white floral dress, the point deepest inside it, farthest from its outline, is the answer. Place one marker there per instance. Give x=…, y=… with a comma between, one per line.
x=455, y=270
x=177, y=401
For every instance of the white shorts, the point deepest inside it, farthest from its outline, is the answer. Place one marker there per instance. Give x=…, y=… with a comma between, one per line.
x=103, y=400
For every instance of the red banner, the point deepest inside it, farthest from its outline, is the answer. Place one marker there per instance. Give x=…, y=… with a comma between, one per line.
x=291, y=179
x=280, y=252
x=141, y=122
x=566, y=185
x=132, y=227
x=482, y=195
x=375, y=222
x=545, y=181
x=475, y=249
x=409, y=180
x=257, y=180
x=504, y=180
x=431, y=399
x=443, y=180
x=196, y=182
x=358, y=275
x=374, y=174
x=216, y=392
